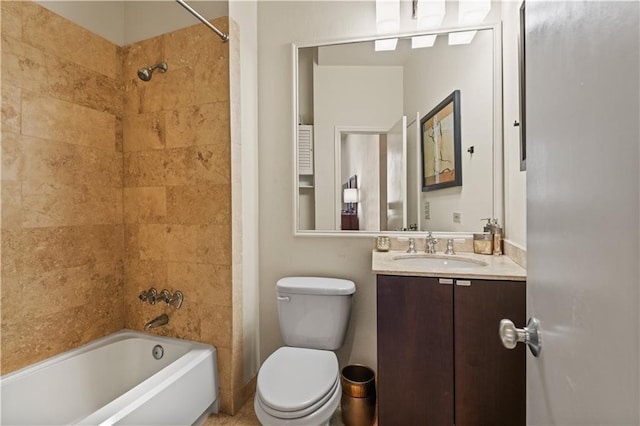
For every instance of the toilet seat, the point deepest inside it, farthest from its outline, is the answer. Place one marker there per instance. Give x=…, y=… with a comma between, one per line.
x=321, y=417
x=303, y=412
x=295, y=382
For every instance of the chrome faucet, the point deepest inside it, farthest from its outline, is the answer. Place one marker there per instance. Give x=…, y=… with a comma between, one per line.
x=163, y=296
x=450, y=247
x=157, y=322
x=431, y=244
x=149, y=296
x=152, y=296
x=412, y=246
x=174, y=299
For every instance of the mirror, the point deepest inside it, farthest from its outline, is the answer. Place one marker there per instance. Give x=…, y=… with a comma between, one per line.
x=360, y=123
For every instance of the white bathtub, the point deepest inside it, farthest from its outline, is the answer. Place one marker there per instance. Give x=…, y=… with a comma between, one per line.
x=115, y=380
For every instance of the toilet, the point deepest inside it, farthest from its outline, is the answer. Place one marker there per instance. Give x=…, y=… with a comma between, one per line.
x=299, y=384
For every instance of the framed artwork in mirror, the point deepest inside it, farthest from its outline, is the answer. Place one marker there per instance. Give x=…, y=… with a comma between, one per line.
x=440, y=142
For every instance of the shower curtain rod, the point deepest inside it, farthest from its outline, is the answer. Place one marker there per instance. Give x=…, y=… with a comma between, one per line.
x=223, y=36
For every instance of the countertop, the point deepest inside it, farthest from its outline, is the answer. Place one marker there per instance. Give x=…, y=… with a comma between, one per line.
x=497, y=268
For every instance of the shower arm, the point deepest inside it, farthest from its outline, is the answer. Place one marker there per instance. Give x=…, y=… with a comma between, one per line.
x=223, y=36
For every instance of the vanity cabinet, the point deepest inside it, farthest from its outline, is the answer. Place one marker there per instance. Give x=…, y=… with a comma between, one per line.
x=440, y=359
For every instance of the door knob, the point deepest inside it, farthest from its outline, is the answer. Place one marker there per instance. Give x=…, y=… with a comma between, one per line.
x=530, y=335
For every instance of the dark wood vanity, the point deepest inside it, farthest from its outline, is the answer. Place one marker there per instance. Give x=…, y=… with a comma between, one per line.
x=440, y=359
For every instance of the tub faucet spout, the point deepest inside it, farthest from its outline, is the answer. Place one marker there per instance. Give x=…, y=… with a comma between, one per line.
x=157, y=322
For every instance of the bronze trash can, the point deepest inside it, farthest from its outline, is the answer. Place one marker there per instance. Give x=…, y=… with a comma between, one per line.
x=358, y=403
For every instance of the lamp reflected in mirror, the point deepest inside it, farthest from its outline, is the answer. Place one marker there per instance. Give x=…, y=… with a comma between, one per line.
x=350, y=196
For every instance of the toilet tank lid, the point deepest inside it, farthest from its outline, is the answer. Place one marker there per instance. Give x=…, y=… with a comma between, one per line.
x=315, y=285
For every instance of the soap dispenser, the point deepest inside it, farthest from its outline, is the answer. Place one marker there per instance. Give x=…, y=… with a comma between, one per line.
x=497, y=238
x=483, y=243
x=488, y=227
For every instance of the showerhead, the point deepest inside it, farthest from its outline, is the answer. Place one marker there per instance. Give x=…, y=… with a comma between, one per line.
x=145, y=73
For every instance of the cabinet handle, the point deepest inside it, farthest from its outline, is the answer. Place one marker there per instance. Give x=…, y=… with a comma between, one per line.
x=445, y=281
x=463, y=283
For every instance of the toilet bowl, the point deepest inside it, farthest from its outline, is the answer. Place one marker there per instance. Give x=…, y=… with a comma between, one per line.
x=299, y=384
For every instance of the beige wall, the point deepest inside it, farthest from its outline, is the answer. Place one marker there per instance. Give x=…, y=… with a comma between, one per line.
x=62, y=233
x=146, y=19
x=103, y=18
x=281, y=253
x=126, y=22
x=348, y=96
x=245, y=13
x=470, y=70
x=515, y=181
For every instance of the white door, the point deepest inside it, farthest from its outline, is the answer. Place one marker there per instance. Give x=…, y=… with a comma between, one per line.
x=582, y=208
x=414, y=171
x=397, y=175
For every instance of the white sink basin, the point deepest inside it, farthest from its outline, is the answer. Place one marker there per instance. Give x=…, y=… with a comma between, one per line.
x=435, y=261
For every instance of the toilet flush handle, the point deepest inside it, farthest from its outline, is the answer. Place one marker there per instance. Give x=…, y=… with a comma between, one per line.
x=284, y=299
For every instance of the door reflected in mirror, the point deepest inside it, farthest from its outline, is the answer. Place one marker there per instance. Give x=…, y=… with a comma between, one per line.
x=359, y=113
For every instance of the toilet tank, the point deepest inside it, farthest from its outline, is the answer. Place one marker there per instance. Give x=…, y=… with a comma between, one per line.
x=313, y=311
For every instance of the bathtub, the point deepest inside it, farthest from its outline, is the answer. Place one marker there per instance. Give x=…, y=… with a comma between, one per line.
x=116, y=380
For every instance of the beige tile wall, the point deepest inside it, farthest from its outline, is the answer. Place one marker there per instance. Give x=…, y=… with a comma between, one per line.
x=62, y=225
x=112, y=185
x=177, y=192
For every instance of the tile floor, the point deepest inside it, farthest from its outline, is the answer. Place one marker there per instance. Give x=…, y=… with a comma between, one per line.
x=247, y=417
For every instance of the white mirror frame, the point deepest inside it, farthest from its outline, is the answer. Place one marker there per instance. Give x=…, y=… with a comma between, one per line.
x=498, y=165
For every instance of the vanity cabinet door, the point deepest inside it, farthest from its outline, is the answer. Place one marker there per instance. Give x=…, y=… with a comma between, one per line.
x=490, y=381
x=415, y=351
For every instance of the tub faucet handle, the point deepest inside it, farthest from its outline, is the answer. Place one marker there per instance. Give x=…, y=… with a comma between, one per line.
x=164, y=296
x=148, y=295
x=175, y=300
